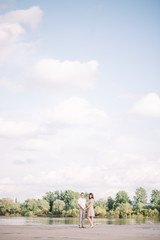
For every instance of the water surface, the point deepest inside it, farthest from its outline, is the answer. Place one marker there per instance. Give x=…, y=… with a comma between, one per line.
x=74, y=221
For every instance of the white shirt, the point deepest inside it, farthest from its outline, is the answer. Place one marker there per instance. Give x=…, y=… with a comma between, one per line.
x=82, y=202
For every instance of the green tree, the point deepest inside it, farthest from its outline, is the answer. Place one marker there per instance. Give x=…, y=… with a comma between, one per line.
x=50, y=198
x=140, y=196
x=70, y=213
x=74, y=204
x=86, y=195
x=58, y=206
x=124, y=209
x=139, y=206
x=101, y=212
x=31, y=204
x=68, y=197
x=15, y=208
x=7, y=206
x=110, y=203
x=76, y=195
x=4, y=202
x=155, y=197
x=59, y=195
x=43, y=205
x=101, y=203
x=122, y=197
x=72, y=200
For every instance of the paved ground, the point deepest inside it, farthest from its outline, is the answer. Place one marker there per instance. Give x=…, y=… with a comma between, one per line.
x=70, y=232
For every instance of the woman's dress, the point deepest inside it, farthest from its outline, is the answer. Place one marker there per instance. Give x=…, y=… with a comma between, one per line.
x=90, y=212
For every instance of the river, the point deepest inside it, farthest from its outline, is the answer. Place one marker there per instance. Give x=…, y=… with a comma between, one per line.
x=54, y=221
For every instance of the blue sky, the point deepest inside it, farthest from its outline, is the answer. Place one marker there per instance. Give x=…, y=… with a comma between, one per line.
x=79, y=96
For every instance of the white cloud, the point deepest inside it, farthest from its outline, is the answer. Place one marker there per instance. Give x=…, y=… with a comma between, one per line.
x=71, y=176
x=31, y=16
x=77, y=112
x=148, y=105
x=10, y=38
x=49, y=147
x=11, y=86
x=12, y=32
x=52, y=73
x=16, y=128
x=6, y=181
x=100, y=179
x=128, y=95
x=75, y=120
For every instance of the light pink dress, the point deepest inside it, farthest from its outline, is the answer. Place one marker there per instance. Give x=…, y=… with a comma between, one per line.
x=90, y=212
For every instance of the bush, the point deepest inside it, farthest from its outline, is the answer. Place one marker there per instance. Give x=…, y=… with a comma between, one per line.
x=58, y=207
x=111, y=213
x=7, y=207
x=100, y=212
x=70, y=213
x=29, y=214
x=39, y=212
x=150, y=212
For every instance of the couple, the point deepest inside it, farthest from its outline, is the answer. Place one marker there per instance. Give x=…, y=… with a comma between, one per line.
x=90, y=210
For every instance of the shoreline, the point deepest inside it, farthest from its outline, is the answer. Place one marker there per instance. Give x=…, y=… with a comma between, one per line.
x=70, y=232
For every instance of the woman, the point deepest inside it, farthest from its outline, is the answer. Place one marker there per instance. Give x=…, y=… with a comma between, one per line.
x=90, y=213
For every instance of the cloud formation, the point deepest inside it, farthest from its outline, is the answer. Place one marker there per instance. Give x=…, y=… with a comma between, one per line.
x=77, y=112
x=31, y=16
x=73, y=144
x=55, y=73
x=100, y=178
x=11, y=86
x=12, y=30
x=148, y=105
x=16, y=128
x=5, y=181
x=73, y=119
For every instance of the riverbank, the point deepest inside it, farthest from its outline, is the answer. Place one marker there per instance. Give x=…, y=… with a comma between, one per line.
x=70, y=232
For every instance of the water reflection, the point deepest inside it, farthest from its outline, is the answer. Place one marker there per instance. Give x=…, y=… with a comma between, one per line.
x=50, y=221
x=72, y=221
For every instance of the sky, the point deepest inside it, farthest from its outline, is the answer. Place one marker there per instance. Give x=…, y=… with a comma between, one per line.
x=79, y=97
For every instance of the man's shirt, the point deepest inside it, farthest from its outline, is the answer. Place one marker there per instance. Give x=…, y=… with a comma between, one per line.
x=82, y=202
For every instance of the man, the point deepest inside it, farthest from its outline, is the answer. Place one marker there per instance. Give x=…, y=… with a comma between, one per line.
x=82, y=208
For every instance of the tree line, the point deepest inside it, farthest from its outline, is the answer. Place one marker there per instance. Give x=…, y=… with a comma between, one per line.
x=64, y=204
